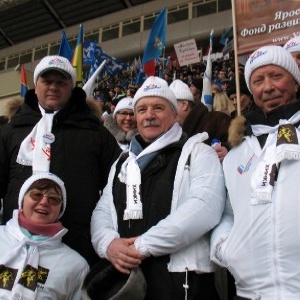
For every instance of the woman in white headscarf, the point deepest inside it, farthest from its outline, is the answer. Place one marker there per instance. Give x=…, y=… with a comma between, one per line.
x=34, y=263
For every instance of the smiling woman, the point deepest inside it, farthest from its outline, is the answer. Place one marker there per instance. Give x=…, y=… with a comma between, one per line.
x=34, y=262
x=122, y=123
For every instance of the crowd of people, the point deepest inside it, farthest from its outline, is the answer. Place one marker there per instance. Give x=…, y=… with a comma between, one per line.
x=144, y=192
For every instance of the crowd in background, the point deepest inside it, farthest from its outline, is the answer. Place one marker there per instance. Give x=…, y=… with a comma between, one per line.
x=109, y=90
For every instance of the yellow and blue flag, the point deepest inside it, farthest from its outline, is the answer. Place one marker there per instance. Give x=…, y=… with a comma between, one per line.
x=78, y=56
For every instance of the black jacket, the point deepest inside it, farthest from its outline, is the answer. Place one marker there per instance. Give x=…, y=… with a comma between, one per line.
x=81, y=155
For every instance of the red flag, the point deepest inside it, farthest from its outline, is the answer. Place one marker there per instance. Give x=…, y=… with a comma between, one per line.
x=149, y=68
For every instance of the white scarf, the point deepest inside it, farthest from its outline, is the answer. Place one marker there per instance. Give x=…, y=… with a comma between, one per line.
x=282, y=143
x=25, y=257
x=130, y=173
x=36, y=147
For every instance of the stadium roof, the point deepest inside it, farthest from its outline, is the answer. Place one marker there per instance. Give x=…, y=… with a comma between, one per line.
x=22, y=20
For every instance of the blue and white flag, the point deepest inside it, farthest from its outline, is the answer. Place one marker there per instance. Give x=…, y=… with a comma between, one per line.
x=93, y=55
x=207, y=98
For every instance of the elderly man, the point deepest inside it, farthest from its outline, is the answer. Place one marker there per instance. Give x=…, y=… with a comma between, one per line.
x=161, y=202
x=257, y=238
x=54, y=130
x=195, y=118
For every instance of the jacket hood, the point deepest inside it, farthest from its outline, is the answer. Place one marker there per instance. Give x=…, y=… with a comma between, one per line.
x=12, y=106
x=236, y=131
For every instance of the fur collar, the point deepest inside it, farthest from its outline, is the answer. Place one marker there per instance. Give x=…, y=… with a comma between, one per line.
x=121, y=136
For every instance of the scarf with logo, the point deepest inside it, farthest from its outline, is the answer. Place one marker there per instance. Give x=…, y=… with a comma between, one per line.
x=35, y=149
x=282, y=144
x=22, y=262
x=130, y=172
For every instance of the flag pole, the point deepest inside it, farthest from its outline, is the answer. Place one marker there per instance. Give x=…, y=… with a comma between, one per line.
x=236, y=63
x=163, y=66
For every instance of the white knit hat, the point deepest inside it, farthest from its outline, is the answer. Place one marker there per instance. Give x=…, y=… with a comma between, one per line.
x=43, y=175
x=271, y=55
x=125, y=103
x=292, y=45
x=181, y=90
x=155, y=86
x=57, y=63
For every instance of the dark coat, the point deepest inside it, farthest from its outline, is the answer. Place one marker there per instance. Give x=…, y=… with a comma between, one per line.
x=81, y=155
x=215, y=123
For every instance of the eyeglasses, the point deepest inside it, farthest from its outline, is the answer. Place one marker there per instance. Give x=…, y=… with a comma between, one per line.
x=37, y=195
x=125, y=113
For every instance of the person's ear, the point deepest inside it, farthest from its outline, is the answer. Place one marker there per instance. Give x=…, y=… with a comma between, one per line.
x=185, y=104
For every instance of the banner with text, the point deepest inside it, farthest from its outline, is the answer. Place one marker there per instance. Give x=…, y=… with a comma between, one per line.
x=187, y=52
x=265, y=22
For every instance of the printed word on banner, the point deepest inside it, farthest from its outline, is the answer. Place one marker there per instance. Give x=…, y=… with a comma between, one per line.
x=187, y=52
x=261, y=22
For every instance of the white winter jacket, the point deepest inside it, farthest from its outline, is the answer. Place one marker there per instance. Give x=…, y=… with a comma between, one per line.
x=260, y=245
x=65, y=269
x=197, y=206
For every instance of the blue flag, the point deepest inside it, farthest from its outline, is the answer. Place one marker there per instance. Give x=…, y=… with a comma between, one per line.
x=65, y=48
x=157, y=38
x=223, y=38
x=141, y=77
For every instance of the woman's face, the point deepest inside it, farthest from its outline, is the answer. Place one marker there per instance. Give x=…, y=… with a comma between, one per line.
x=126, y=120
x=42, y=206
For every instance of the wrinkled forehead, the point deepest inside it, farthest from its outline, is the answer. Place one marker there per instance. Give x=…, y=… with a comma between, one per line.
x=150, y=101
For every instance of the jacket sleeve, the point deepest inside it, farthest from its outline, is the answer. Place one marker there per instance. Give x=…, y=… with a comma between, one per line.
x=196, y=213
x=76, y=293
x=104, y=219
x=220, y=235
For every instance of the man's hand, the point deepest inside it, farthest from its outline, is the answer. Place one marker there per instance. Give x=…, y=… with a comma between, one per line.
x=221, y=151
x=123, y=255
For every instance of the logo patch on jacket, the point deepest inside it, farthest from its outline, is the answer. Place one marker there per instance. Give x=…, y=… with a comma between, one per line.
x=29, y=277
x=7, y=277
x=287, y=135
x=245, y=168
